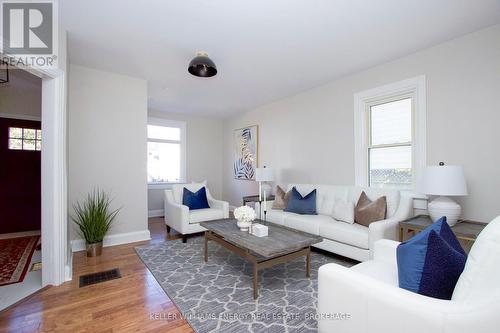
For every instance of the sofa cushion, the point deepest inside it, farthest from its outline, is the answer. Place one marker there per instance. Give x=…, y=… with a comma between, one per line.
x=306, y=223
x=302, y=204
x=276, y=216
x=350, y=234
x=196, y=200
x=325, y=195
x=429, y=264
x=367, y=211
x=325, y=198
x=343, y=211
x=207, y=214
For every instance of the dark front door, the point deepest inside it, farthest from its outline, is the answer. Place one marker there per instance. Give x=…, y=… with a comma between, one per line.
x=20, y=175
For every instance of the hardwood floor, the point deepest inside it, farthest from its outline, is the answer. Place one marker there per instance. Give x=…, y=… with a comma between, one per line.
x=134, y=303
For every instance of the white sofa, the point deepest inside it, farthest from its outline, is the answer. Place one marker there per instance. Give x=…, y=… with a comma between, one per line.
x=350, y=240
x=185, y=221
x=367, y=298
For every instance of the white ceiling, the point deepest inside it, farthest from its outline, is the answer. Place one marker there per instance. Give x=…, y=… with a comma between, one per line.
x=264, y=49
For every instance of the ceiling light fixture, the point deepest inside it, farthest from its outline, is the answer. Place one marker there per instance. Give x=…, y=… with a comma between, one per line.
x=202, y=65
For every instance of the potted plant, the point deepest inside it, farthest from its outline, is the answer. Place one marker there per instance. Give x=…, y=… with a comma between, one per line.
x=94, y=218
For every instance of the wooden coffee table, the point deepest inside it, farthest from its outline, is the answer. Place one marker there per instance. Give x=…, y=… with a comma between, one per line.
x=280, y=246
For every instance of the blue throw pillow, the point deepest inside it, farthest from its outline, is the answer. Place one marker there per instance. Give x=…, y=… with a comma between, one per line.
x=196, y=200
x=301, y=205
x=431, y=262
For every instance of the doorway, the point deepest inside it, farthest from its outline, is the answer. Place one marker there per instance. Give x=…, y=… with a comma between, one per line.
x=20, y=190
x=56, y=254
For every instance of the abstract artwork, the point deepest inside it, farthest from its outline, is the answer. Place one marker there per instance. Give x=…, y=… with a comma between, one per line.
x=245, y=149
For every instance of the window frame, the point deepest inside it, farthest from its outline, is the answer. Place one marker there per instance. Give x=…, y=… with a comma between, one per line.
x=169, y=123
x=413, y=88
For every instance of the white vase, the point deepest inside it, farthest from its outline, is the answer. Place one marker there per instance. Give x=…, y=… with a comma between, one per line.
x=243, y=225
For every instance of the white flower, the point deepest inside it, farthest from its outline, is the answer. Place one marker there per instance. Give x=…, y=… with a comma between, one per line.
x=245, y=214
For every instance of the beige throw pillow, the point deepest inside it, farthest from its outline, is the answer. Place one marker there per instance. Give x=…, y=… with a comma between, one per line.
x=368, y=211
x=281, y=198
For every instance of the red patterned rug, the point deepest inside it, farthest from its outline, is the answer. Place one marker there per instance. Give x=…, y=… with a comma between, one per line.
x=15, y=258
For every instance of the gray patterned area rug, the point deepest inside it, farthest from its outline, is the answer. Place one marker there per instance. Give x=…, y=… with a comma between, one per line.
x=218, y=297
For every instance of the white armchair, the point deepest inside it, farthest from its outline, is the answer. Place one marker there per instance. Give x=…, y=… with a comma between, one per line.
x=366, y=297
x=185, y=221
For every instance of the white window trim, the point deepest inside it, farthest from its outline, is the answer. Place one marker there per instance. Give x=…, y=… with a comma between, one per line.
x=182, y=126
x=414, y=86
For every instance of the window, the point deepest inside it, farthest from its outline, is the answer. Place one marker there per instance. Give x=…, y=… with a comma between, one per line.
x=166, y=151
x=25, y=139
x=390, y=144
x=390, y=135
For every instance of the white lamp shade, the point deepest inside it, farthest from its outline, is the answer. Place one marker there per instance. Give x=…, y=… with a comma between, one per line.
x=447, y=180
x=264, y=174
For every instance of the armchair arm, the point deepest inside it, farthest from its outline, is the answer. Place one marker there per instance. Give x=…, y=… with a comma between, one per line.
x=385, y=229
x=220, y=205
x=385, y=251
x=176, y=215
x=388, y=228
x=351, y=302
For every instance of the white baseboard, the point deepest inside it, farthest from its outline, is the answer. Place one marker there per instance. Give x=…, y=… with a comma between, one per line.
x=156, y=213
x=68, y=269
x=117, y=239
x=20, y=234
x=68, y=273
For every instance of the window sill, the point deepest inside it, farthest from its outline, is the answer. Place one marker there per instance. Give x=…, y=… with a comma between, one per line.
x=161, y=186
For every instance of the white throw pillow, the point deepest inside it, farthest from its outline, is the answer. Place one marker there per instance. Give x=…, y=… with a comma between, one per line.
x=343, y=211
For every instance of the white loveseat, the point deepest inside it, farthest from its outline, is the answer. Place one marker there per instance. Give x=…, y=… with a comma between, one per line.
x=366, y=297
x=185, y=221
x=350, y=240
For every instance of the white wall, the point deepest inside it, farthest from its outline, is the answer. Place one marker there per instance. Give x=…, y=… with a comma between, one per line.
x=107, y=144
x=203, y=153
x=22, y=95
x=309, y=138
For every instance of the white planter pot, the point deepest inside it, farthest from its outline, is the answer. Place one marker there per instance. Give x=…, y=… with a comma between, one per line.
x=243, y=225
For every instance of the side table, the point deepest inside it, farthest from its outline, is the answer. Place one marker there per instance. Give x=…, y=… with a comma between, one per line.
x=466, y=231
x=255, y=198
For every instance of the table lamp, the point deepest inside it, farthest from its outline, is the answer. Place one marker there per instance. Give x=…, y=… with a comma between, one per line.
x=264, y=175
x=443, y=181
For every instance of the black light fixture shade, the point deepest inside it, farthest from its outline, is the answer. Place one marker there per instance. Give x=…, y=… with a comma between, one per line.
x=202, y=66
